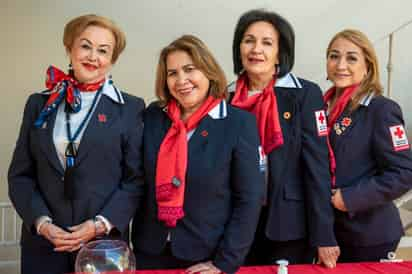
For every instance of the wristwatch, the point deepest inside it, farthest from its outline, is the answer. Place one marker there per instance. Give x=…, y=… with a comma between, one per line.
x=99, y=226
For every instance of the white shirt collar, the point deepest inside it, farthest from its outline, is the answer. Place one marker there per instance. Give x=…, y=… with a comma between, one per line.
x=219, y=111
x=112, y=92
x=287, y=81
x=365, y=101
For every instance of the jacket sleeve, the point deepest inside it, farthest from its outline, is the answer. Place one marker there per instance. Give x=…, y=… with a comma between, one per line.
x=123, y=203
x=316, y=171
x=247, y=196
x=394, y=176
x=22, y=185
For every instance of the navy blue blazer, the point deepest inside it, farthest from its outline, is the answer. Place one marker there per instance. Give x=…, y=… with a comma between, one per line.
x=108, y=176
x=299, y=181
x=223, y=195
x=372, y=170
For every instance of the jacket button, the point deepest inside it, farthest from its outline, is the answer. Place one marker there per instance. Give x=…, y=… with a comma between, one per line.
x=176, y=182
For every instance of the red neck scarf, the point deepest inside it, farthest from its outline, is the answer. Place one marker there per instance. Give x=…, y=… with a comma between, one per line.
x=63, y=86
x=172, y=161
x=264, y=107
x=56, y=77
x=333, y=116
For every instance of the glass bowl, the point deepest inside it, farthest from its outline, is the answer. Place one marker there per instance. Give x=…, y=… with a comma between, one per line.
x=105, y=255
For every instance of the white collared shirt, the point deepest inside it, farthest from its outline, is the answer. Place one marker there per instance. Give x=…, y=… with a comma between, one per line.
x=60, y=132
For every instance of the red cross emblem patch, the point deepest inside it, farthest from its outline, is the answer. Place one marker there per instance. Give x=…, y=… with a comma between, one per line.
x=321, y=123
x=399, y=138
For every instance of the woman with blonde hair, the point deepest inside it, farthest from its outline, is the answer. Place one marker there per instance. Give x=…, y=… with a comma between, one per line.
x=76, y=169
x=370, y=156
x=201, y=163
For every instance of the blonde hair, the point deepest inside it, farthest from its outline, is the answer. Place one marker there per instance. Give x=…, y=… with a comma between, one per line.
x=77, y=25
x=202, y=59
x=371, y=82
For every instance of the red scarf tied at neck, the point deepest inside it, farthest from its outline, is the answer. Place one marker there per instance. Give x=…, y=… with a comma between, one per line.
x=264, y=106
x=62, y=86
x=334, y=113
x=172, y=161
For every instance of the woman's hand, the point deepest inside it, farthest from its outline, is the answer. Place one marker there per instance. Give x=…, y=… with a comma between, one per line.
x=203, y=268
x=80, y=234
x=337, y=201
x=328, y=255
x=57, y=236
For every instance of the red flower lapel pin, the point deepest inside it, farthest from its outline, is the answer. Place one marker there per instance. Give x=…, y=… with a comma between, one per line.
x=346, y=121
x=102, y=118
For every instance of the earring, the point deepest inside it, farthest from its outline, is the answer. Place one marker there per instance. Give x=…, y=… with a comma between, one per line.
x=277, y=69
x=70, y=70
x=110, y=79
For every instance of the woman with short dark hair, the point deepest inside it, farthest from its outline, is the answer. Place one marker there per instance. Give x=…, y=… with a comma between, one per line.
x=297, y=215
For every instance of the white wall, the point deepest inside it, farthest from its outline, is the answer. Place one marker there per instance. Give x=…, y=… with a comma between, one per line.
x=31, y=39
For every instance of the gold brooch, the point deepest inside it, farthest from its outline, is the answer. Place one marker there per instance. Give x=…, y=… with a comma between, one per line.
x=286, y=115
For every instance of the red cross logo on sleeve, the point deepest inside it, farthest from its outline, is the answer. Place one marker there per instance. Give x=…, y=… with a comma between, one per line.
x=321, y=123
x=399, y=139
x=399, y=132
x=321, y=118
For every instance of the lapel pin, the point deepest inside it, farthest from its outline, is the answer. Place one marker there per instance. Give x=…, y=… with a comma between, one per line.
x=286, y=115
x=346, y=121
x=204, y=133
x=176, y=182
x=102, y=118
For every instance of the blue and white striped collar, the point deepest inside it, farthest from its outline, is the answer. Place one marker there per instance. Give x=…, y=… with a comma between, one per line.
x=219, y=111
x=365, y=101
x=112, y=92
x=287, y=81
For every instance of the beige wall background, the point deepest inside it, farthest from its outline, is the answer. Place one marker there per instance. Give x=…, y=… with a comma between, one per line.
x=31, y=39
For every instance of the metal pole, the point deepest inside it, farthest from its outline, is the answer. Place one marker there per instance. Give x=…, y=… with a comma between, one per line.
x=389, y=66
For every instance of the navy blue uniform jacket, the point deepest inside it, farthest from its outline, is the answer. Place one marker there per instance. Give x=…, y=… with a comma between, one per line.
x=371, y=173
x=299, y=181
x=108, y=178
x=223, y=195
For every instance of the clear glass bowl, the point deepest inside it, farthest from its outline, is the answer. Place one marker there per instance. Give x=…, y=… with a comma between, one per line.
x=105, y=255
